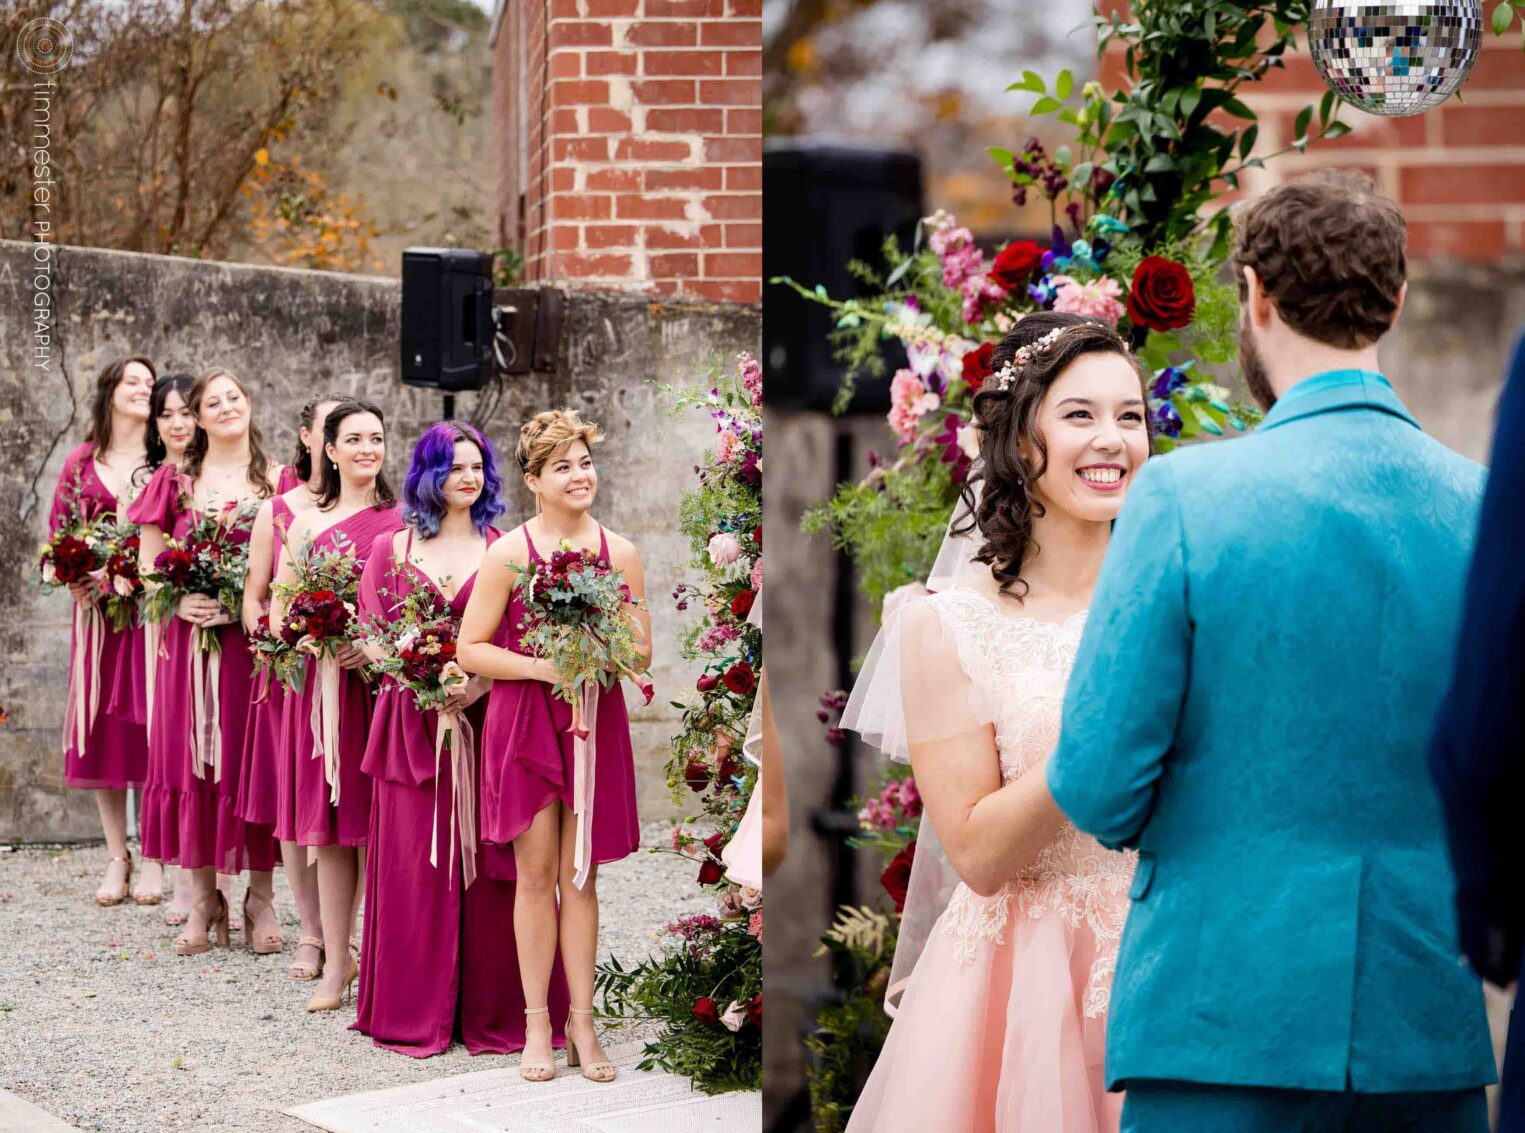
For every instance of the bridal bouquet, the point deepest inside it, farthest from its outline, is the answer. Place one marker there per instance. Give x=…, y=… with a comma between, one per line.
x=576, y=617
x=206, y=560
x=321, y=618
x=420, y=649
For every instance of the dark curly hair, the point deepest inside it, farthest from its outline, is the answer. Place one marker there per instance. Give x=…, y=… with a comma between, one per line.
x=328, y=493
x=1330, y=251
x=1005, y=508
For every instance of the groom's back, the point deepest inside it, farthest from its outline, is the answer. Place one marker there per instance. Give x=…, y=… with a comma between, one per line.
x=1296, y=824
x=1329, y=556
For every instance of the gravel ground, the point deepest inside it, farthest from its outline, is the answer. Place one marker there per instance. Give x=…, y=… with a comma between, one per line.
x=103, y=1026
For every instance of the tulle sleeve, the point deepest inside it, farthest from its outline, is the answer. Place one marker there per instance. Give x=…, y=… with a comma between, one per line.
x=379, y=575
x=913, y=687
x=915, y=690
x=159, y=502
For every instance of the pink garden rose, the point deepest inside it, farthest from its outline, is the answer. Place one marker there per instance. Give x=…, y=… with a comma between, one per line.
x=724, y=548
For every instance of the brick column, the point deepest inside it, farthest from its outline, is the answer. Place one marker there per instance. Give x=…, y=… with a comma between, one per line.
x=630, y=144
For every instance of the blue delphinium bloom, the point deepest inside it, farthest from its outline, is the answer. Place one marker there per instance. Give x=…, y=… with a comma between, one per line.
x=1167, y=421
x=1167, y=381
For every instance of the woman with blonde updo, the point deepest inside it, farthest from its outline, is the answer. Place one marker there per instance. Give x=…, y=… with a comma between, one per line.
x=529, y=788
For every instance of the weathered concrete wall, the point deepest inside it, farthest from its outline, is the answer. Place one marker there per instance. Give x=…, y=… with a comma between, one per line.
x=1446, y=359
x=290, y=334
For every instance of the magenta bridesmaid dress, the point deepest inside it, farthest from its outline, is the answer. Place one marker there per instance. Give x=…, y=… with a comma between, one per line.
x=114, y=751
x=191, y=819
x=258, y=784
x=527, y=752
x=315, y=821
x=438, y=958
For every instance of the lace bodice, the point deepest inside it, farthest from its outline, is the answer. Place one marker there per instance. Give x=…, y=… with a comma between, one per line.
x=1021, y=666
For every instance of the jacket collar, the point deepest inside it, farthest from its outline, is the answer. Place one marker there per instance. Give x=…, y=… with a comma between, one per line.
x=1337, y=389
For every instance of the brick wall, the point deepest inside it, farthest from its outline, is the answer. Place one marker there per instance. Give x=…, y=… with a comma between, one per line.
x=1458, y=171
x=629, y=140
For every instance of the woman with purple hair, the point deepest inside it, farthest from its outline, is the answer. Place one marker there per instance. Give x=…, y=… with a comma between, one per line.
x=439, y=908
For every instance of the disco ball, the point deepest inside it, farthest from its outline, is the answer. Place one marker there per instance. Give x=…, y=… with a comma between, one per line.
x=1395, y=59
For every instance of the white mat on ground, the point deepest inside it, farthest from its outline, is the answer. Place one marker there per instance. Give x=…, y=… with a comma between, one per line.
x=496, y=1101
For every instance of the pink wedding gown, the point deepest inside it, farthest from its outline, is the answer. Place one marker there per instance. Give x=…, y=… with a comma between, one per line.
x=1002, y=1025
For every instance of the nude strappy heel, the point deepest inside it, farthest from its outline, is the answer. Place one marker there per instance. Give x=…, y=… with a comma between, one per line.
x=263, y=945
x=594, y=1071
x=107, y=900
x=187, y=945
x=538, y=1071
x=300, y=969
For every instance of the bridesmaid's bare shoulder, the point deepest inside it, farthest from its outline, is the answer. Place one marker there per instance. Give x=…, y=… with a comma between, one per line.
x=622, y=552
x=509, y=550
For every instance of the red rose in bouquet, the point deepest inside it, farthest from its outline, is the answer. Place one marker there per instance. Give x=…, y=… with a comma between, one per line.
x=740, y=679
x=712, y=870
x=754, y=1010
x=706, y=1010
x=977, y=365
x=72, y=560
x=897, y=875
x=1161, y=296
x=1015, y=263
x=175, y=567
x=741, y=605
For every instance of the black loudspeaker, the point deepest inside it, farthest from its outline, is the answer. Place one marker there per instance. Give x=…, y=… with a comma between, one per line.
x=824, y=205
x=446, y=318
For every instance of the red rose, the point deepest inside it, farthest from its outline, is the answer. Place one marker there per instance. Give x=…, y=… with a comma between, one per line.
x=757, y=534
x=740, y=679
x=741, y=605
x=1015, y=263
x=977, y=365
x=712, y=870
x=728, y=769
x=705, y=1010
x=754, y=1010
x=1161, y=296
x=696, y=775
x=707, y=682
x=897, y=875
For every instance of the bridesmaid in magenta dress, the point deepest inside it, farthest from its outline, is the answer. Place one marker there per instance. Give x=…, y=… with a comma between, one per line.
x=189, y=816
x=106, y=751
x=528, y=796
x=355, y=505
x=266, y=789
x=171, y=425
x=439, y=922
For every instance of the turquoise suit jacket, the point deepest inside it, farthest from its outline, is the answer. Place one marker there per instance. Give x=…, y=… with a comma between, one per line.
x=1250, y=706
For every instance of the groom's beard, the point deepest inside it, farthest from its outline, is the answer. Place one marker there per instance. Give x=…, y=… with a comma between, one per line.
x=1252, y=367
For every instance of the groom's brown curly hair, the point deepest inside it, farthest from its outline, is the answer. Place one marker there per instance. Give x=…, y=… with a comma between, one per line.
x=1330, y=251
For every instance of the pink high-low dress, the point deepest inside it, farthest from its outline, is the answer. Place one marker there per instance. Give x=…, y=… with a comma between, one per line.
x=190, y=818
x=114, y=752
x=527, y=752
x=1002, y=1026
x=438, y=957
x=259, y=784
x=315, y=820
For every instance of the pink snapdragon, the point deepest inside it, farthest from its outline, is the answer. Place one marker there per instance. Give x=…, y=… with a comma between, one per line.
x=898, y=801
x=751, y=376
x=964, y=266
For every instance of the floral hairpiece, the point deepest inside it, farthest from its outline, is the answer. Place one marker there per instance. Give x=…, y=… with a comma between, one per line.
x=1008, y=373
